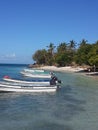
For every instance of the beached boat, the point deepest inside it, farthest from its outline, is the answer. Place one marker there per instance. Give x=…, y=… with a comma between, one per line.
x=19, y=88
x=92, y=73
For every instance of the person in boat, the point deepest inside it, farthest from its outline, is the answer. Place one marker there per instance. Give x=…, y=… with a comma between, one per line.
x=54, y=80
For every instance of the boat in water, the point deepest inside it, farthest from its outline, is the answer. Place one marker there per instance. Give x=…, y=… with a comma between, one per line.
x=52, y=81
x=13, y=85
x=33, y=75
x=34, y=70
x=7, y=78
x=19, y=88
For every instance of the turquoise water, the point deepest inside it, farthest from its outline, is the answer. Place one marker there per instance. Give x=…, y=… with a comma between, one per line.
x=73, y=107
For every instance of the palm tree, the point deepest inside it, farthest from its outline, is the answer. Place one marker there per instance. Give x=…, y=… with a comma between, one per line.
x=83, y=42
x=51, y=48
x=62, y=48
x=50, y=54
x=72, y=45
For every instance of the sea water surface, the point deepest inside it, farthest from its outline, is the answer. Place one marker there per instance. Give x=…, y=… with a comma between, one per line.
x=73, y=107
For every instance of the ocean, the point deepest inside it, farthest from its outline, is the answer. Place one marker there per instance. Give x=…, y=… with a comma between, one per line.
x=73, y=107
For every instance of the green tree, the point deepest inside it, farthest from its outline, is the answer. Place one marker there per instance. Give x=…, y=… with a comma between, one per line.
x=93, y=54
x=62, y=48
x=68, y=53
x=82, y=56
x=51, y=48
x=72, y=50
x=50, y=54
x=62, y=57
x=40, y=56
x=72, y=45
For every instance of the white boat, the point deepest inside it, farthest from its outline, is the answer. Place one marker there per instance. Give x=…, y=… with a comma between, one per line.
x=53, y=81
x=23, y=84
x=18, y=88
x=46, y=76
x=11, y=85
x=34, y=70
x=7, y=78
x=92, y=73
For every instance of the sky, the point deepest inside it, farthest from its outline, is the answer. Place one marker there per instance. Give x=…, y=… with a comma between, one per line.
x=30, y=25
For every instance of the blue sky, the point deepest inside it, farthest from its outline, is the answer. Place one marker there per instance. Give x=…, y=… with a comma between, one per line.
x=29, y=25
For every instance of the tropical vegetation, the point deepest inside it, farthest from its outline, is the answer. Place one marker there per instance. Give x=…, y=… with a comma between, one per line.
x=71, y=53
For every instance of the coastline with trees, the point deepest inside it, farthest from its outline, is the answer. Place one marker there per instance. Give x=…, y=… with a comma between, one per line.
x=69, y=54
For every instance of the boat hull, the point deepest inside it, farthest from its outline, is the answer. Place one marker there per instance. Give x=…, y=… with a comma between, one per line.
x=26, y=82
x=45, y=76
x=34, y=70
x=9, y=88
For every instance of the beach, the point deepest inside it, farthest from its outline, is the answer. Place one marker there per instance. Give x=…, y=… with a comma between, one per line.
x=71, y=69
x=63, y=69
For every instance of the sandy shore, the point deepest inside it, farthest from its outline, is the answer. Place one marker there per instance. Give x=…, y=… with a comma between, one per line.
x=62, y=69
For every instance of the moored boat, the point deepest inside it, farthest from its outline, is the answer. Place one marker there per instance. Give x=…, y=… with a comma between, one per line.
x=18, y=88
x=46, y=76
x=53, y=80
x=12, y=85
x=7, y=78
x=34, y=70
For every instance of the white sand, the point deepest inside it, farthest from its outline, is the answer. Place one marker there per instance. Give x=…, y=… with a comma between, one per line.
x=62, y=69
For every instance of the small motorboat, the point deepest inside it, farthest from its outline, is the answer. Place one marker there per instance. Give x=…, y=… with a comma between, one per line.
x=22, y=88
x=7, y=78
x=13, y=85
x=34, y=75
x=52, y=81
x=34, y=70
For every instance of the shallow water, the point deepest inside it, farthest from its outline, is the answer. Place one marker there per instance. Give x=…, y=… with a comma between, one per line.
x=73, y=107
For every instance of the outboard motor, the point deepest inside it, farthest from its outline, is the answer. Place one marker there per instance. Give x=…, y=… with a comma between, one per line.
x=54, y=80
x=59, y=81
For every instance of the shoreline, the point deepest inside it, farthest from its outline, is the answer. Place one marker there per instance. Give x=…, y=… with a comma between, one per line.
x=70, y=69
x=62, y=69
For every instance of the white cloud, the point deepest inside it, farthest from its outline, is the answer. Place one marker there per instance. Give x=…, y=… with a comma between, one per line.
x=11, y=55
x=12, y=58
x=8, y=56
